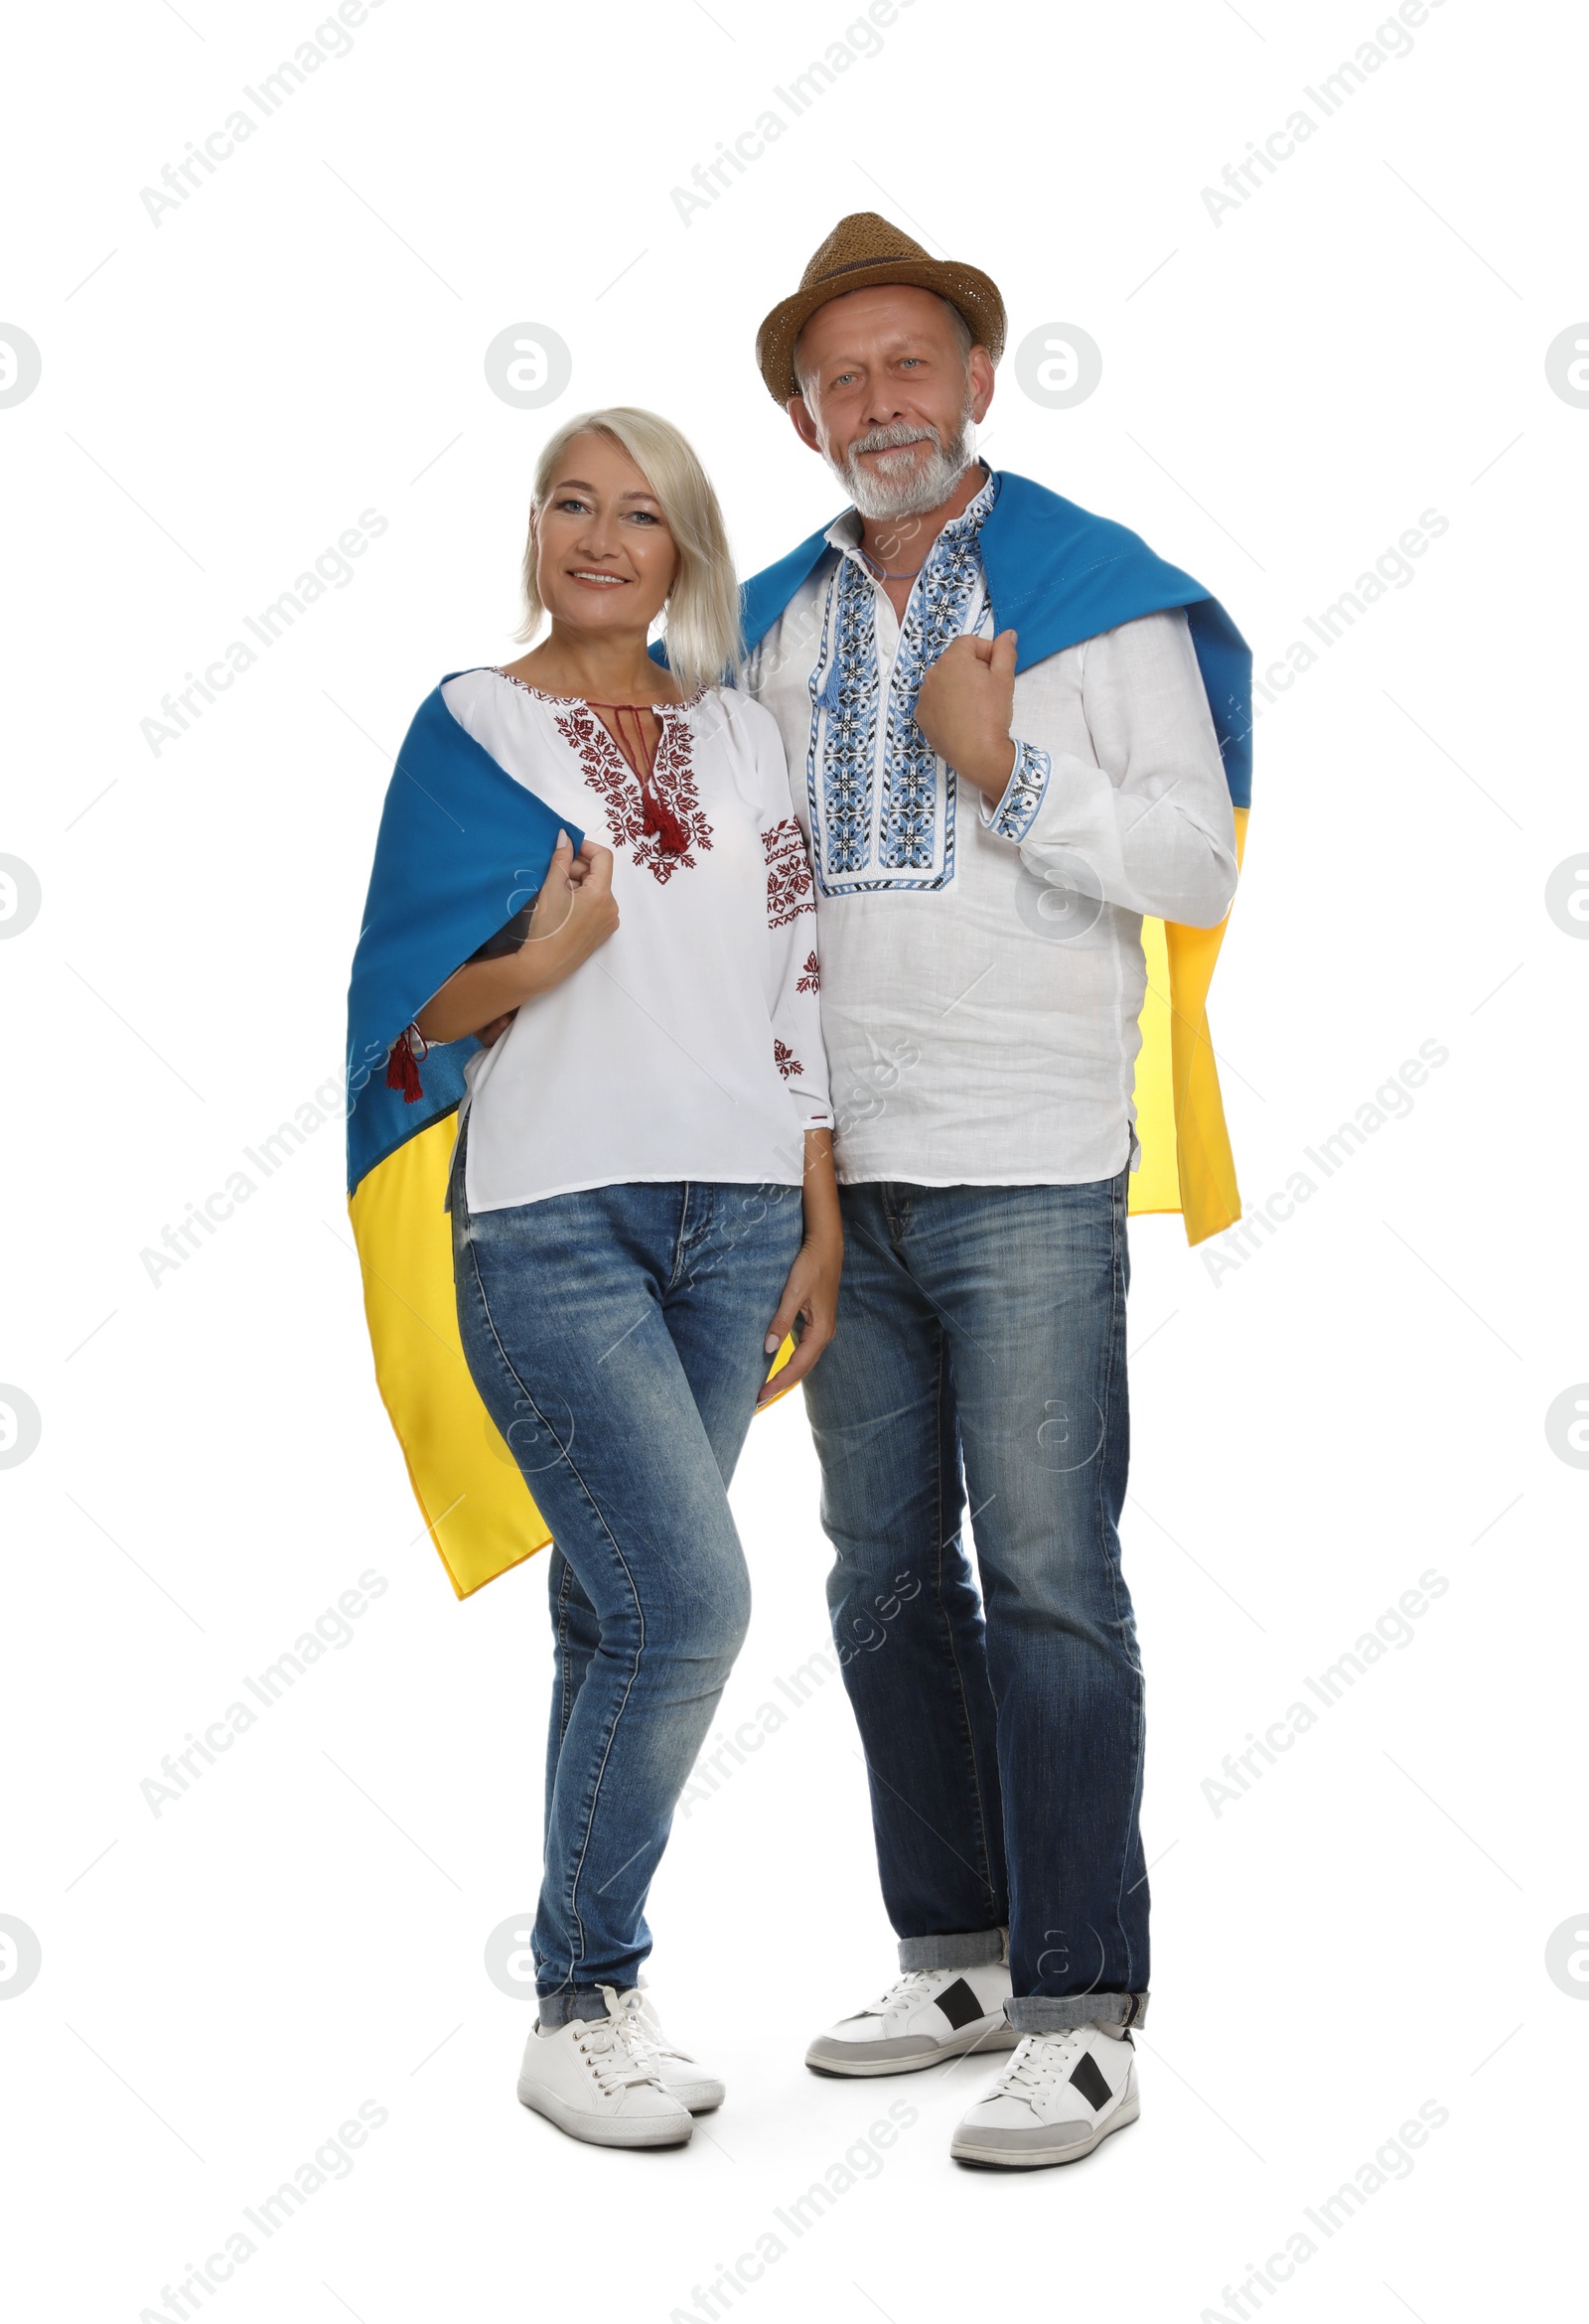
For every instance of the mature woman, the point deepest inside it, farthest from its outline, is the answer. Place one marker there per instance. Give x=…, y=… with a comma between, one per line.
x=642, y=1193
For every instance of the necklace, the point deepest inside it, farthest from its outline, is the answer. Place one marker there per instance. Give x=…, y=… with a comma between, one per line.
x=884, y=575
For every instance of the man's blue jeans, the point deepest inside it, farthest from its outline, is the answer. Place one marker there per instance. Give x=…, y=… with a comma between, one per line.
x=615, y=1338
x=1004, y=1753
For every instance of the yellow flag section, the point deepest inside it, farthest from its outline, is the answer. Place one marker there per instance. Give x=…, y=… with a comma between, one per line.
x=471, y=1492
x=1187, y=1164
x=474, y=1503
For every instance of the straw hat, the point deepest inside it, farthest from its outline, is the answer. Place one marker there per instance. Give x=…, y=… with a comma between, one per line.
x=862, y=251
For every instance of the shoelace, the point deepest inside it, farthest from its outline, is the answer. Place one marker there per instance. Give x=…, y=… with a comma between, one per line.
x=904, y=1993
x=618, y=2049
x=656, y=2032
x=1034, y=2065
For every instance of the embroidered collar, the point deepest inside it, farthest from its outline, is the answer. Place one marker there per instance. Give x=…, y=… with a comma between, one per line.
x=881, y=815
x=580, y=702
x=657, y=816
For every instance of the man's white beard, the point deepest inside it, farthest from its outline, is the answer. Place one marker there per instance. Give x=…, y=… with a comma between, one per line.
x=917, y=490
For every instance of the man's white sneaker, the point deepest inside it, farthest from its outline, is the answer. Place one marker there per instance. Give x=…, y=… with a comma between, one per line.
x=597, y=2079
x=927, y=2014
x=1057, y=2099
x=680, y=2075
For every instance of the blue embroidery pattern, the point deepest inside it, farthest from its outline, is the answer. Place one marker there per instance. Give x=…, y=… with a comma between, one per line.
x=1013, y=818
x=936, y=613
x=845, y=688
x=847, y=692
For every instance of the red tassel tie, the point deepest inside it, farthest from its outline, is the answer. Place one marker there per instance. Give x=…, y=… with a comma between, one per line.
x=671, y=837
x=403, y=1067
x=659, y=820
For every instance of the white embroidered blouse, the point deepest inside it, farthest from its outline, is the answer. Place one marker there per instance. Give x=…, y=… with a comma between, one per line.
x=689, y=1045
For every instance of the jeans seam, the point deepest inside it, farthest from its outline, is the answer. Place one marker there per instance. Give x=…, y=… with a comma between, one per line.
x=564, y=1593
x=681, y=1243
x=1116, y=1299
x=949, y=1630
x=589, y=1816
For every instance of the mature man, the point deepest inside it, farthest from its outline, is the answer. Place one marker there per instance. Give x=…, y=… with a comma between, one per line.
x=992, y=811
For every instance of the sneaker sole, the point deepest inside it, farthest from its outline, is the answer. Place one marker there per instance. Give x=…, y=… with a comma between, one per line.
x=701, y=2098
x=1040, y=2158
x=607, y=2130
x=821, y=2061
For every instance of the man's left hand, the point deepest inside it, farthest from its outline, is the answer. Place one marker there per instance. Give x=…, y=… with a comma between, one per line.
x=964, y=709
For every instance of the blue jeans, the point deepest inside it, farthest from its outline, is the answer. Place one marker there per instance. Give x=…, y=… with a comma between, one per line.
x=615, y=1338
x=986, y=1326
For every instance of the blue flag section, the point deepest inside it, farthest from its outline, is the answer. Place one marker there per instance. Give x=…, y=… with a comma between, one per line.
x=462, y=848
x=1057, y=574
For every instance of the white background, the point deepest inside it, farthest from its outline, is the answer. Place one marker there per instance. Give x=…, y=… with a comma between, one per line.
x=1363, y=1397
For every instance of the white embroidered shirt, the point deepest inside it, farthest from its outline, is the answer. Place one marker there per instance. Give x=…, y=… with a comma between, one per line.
x=982, y=966
x=689, y=1045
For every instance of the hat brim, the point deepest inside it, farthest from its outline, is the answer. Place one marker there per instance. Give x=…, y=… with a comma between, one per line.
x=975, y=294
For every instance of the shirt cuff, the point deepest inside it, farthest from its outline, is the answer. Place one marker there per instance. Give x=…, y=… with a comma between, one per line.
x=1016, y=811
x=814, y=1113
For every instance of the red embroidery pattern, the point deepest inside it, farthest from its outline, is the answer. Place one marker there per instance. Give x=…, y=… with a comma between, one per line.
x=789, y=875
x=810, y=979
x=785, y=1058
x=672, y=778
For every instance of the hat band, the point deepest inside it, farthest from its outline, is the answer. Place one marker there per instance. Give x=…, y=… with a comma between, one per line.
x=883, y=258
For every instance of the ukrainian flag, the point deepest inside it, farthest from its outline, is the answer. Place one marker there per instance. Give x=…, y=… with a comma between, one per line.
x=462, y=848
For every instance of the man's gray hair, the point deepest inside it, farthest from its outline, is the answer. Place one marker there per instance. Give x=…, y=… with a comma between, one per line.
x=965, y=338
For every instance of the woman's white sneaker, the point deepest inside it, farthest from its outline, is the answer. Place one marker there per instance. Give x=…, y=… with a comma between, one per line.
x=598, y=2079
x=925, y=2016
x=1058, y=2097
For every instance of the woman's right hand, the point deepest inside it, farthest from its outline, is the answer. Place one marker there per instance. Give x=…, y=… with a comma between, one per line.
x=572, y=919
x=574, y=916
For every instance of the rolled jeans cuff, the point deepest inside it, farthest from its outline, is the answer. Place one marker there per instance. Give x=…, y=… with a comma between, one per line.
x=973, y=1949
x=1056, y=2014
x=568, y=2003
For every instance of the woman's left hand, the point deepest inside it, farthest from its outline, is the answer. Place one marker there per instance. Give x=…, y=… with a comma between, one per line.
x=810, y=1301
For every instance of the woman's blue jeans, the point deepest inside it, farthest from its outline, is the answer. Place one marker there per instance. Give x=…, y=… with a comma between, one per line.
x=615, y=1338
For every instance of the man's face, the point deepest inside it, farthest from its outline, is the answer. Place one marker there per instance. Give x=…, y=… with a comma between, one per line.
x=890, y=397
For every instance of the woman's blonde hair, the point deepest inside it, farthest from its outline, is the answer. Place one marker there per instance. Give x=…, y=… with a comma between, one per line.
x=704, y=644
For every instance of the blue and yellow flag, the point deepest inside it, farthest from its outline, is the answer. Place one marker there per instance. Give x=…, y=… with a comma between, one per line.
x=462, y=848
x=1057, y=574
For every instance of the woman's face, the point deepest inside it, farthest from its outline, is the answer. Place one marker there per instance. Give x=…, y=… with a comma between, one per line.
x=604, y=556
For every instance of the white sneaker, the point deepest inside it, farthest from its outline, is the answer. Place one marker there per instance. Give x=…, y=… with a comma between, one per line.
x=680, y=2074
x=1057, y=2099
x=925, y=2016
x=597, y=2079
